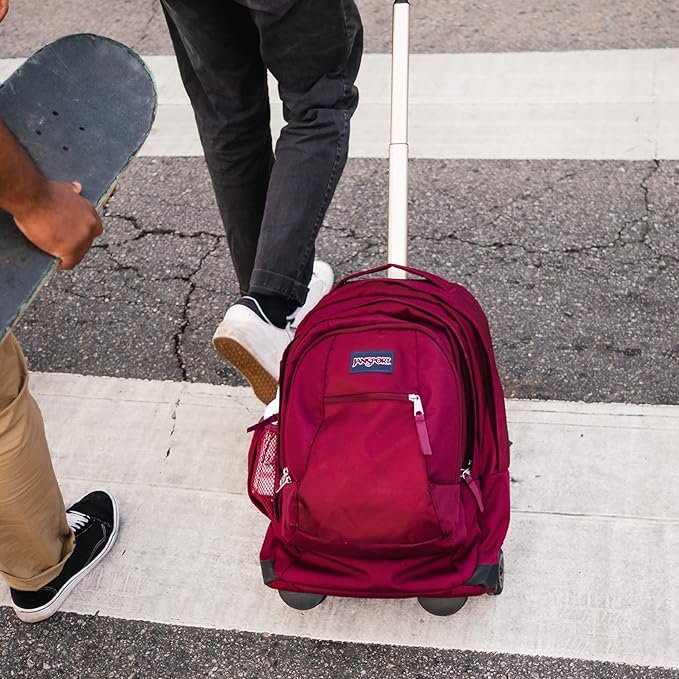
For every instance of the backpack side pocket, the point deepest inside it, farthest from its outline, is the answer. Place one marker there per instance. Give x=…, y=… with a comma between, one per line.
x=263, y=467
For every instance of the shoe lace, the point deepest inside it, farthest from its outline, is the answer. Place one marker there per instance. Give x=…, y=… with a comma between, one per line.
x=76, y=520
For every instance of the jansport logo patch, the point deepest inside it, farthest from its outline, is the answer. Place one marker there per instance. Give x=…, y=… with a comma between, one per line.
x=372, y=362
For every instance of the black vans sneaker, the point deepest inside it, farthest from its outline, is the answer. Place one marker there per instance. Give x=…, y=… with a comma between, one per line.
x=94, y=520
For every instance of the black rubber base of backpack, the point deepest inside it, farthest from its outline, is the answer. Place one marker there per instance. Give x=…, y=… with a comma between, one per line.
x=492, y=576
x=489, y=576
x=500, y=575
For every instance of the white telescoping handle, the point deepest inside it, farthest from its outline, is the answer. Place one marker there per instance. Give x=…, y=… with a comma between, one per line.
x=397, y=241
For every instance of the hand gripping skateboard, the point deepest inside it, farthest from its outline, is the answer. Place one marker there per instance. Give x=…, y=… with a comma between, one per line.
x=81, y=106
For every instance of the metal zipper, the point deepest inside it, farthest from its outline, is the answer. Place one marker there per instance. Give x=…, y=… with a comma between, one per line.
x=466, y=476
x=285, y=479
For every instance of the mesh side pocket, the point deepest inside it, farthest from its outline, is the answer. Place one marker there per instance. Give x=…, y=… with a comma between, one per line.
x=264, y=468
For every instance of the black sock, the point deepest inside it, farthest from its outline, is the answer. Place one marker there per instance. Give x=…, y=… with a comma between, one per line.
x=275, y=308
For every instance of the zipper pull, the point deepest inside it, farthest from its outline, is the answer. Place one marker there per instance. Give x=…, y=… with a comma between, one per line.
x=285, y=479
x=420, y=424
x=418, y=408
x=466, y=476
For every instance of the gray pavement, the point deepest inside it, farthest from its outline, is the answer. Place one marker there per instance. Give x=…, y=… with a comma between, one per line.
x=81, y=647
x=576, y=264
x=437, y=25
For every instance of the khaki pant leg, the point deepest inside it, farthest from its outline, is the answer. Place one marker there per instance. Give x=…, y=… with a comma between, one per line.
x=35, y=538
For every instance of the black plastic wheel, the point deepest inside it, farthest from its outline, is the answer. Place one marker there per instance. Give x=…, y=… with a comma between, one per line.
x=302, y=601
x=442, y=606
x=500, y=575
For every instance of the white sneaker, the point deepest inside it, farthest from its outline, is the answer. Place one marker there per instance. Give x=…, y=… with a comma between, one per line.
x=321, y=283
x=254, y=346
x=248, y=340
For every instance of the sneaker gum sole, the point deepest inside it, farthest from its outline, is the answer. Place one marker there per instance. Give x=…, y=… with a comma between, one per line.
x=34, y=615
x=263, y=384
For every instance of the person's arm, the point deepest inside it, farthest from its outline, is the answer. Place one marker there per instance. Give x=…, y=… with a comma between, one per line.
x=52, y=215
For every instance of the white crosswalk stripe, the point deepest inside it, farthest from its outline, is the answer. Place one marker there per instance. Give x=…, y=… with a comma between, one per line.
x=188, y=551
x=584, y=105
x=617, y=104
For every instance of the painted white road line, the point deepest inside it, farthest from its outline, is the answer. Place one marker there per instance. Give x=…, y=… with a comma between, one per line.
x=617, y=104
x=593, y=544
x=583, y=105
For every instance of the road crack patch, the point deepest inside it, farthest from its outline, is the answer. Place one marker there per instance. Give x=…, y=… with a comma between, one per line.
x=184, y=321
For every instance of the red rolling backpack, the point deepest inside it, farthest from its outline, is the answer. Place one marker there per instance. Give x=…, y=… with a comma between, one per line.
x=385, y=471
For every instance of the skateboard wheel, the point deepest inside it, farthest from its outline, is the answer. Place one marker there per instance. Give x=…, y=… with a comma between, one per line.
x=442, y=606
x=302, y=601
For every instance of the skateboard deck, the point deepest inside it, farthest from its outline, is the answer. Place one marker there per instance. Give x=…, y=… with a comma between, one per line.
x=81, y=106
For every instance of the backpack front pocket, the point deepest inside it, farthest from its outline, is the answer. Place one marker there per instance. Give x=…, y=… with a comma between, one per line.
x=371, y=486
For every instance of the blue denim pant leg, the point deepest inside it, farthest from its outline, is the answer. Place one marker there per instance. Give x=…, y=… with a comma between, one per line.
x=272, y=206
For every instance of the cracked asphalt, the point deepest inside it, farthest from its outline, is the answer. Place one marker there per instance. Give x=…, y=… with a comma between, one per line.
x=576, y=264
x=139, y=650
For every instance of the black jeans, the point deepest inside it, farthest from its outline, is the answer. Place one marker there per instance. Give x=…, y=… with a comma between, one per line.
x=272, y=206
